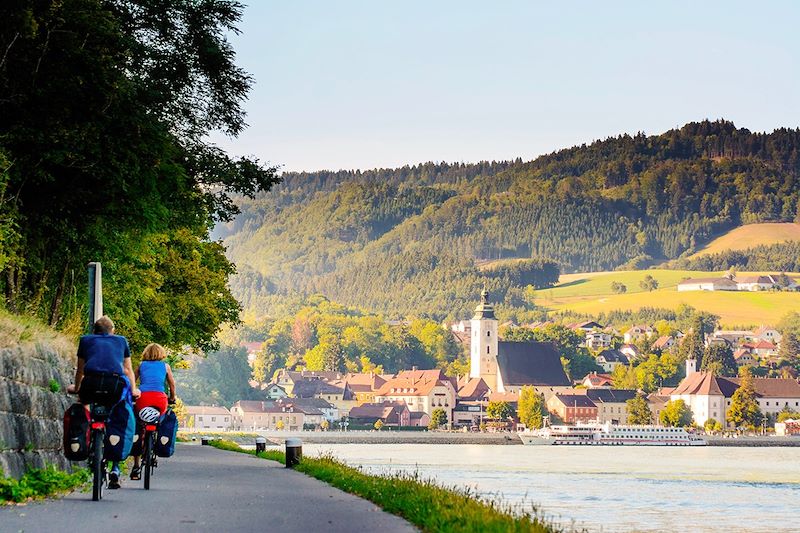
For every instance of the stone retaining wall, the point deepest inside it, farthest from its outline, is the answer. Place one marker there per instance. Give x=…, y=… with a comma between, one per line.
x=30, y=413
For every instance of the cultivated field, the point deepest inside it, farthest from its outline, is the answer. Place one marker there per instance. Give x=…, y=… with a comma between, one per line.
x=591, y=293
x=752, y=235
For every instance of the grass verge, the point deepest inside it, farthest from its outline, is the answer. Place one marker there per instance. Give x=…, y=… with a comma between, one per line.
x=40, y=482
x=424, y=503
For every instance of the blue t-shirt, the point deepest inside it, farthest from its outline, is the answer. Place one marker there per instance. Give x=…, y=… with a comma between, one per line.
x=103, y=354
x=152, y=375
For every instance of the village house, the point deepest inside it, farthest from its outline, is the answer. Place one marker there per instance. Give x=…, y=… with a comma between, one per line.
x=743, y=357
x=420, y=390
x=769, y=334
x=708, y=284
x=763, y=349
x=664, y=343
x=249, y=414
x=390, y=413
x=709, y=396
x=364, y=385
x=274, y=391
x=287, y=379
x=203, y=417
x=733, y=337
x=315, y=409
x=419, y=419
x=656, y=401
x=572, y=408
x=471, y=402
x=336, y=391
x=610, y=359
x=595, y=381
x=597, y=340
x=637, y=333
x=756, y=283
x=611, y=404
x=630, y=351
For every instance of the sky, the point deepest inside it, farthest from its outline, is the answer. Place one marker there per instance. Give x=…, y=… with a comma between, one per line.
x=348, y=84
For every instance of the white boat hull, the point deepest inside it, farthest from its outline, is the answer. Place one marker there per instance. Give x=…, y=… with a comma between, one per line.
x=608, y=435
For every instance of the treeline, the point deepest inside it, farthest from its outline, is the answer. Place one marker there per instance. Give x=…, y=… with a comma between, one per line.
x=406, y=240
x=322, y=335
x=106, y=108
x=781, y=257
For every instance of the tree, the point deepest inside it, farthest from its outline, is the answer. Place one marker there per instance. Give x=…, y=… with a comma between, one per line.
x=639, y=411
x=649, y=283
x=712, y=426
x=222, y=377
x=120, y=169
x=499, y=410
x=531, y=408
x=718, y=359
x=378, y=424
x=279, y=425
x=787, y=414
x=744, y=410
x=324, y=425
x=618, y=288
x=438, y=418
x=180, y=411
x=333, y=356
x=676, y=414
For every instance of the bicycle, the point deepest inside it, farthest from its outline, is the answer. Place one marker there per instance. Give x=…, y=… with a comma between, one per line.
x=98, y=415
x=150, y=416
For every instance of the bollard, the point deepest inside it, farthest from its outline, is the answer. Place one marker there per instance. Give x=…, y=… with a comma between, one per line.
x=204, y=441
x=261, y=444
x=294, y=452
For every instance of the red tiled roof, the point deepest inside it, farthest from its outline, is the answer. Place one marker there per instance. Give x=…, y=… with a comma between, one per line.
x=705, y=383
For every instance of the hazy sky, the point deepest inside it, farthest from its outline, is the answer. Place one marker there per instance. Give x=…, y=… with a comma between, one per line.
x=345, y=84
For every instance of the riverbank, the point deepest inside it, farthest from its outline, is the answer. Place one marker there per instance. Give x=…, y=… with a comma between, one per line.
x=423, y=502
x=444, y=437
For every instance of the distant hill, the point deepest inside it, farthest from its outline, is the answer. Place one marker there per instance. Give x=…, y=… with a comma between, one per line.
x=750, y=236
x=408, y=240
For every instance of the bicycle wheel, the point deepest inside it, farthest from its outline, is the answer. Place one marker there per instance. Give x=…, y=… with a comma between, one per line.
x=148, y=458
x=98, y=475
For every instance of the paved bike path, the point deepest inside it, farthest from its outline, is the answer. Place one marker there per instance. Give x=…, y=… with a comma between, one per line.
x=201, y=488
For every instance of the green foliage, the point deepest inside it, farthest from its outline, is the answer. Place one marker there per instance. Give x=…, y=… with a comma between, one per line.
x=54, y=385
x=650, y=374
x=322, y=335
x=499, y=410
x=649, y=283
x=424, y=503
x=438, y=419
x=787, y=414
x=676, y=414
x=718, y=359
x=782, y=257
x=379, y=424
x=618, y=288
x=537, y=273
x=41, y=482
x=639, y=411
x=712, y=426
x=630, y=200
x=221, y=378
x=531, y=408
x=106, y=110
x=744, y=410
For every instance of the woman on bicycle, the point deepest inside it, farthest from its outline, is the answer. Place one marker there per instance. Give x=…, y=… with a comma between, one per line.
x=152, y=373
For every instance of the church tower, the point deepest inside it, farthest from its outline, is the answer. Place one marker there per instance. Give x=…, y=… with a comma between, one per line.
x=483, y=352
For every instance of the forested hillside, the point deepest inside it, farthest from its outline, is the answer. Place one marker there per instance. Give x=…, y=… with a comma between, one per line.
x=407, y=241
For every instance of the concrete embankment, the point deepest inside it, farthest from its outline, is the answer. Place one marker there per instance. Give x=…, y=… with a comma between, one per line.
x=755, y=442
x=391, y=437
x=441, y=437
x=32, y=404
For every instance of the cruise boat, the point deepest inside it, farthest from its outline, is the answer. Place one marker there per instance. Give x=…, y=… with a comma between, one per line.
x=609, y=435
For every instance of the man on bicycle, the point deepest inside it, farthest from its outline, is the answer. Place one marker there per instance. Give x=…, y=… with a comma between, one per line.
x=104, y=363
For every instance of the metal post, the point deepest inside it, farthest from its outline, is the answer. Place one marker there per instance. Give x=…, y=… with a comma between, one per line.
x=95, y=293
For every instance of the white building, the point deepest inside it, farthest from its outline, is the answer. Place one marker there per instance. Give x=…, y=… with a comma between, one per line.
x=709, y=396
x=597, y=340
x=707, y=284
x=203, y=417
x=769, y=334
x=638, y=332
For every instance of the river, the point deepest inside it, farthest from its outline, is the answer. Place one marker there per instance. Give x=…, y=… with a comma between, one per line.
x=614, y=489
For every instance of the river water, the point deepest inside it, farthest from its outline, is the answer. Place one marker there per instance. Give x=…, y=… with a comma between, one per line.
x=611, y=489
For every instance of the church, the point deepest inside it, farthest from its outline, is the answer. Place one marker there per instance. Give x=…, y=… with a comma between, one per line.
x=508, y=366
